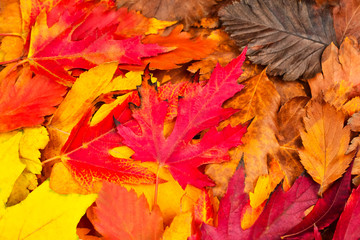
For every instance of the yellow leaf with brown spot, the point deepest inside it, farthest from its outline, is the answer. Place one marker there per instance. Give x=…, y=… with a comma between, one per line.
x=325, y=141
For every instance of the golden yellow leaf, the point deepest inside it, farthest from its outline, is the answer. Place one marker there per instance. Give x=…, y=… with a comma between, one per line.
x=31, y=142
x=11, y=166
x=45, y=215
x=180, y=228
x=352, y=106
x=259, y=101
x=325, y=142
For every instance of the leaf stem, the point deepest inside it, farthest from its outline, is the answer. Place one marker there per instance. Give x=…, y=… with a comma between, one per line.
x=156, y=185
x=11, y=61
x=50, y=160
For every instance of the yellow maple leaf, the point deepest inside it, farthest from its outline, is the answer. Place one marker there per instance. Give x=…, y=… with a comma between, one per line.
x=45, y=214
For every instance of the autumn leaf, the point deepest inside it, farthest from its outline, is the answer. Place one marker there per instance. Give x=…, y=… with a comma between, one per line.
x=289, y=123
x=283, y=210
x=197, y=111
x=347, y=226
x=326, y=210
x=88, y=157
x=347, y=19
x=259, y=101
x=45, y=214
x=325, y=142
x=59, y=44
x=171, y=10
x=132, y=219
x=287, y=36
x=12, y=166
x=25, y=100
x=179, y=228
x=185, y=49
x=87, y=88
x=338, y=82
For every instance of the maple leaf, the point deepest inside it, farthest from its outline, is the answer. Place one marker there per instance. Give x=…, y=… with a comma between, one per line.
x=132, y=219
x=198, y=110
x=288, y=36
x=25, y=100
x=347, y=227
x=186, y=49
x=171, y=10
x=58, y=44
x=347, y=19
x=283, y=210
x=289, y=123
x=49, y=215
x=325, y=142
x=86, y=153
x=326, y=210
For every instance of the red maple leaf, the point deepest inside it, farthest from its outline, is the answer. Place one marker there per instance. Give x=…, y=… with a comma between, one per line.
x=71, y=36
x=283, y=211
x=86, y=152
x=198, y=110
x=25, y=100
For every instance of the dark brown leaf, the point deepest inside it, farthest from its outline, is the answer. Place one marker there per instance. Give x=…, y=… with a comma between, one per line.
x=287, y=35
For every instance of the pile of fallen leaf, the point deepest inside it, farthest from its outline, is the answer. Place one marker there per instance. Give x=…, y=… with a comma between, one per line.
x=174, y=119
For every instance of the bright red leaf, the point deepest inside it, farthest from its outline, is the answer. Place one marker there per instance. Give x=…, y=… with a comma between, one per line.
x=121, y=215
x=86, y=153
x=198, y=110
x=71, y=36
x=25, y=100
x=348, y=224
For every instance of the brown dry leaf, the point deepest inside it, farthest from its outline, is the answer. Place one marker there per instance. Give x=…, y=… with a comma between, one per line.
x=289, y=120
x=340, y=69
x=259, y=101
x=355, y=143
x=288, y=90
x=221, y=173
x=171, y=10
x=354, y=122
x=325, y=142
x=347, y=19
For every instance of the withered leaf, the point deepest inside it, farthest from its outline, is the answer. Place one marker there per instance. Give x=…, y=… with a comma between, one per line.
x=170, y=10
x=287, y=35
x=289, y=121
x=347, y=19
x=259, y=101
